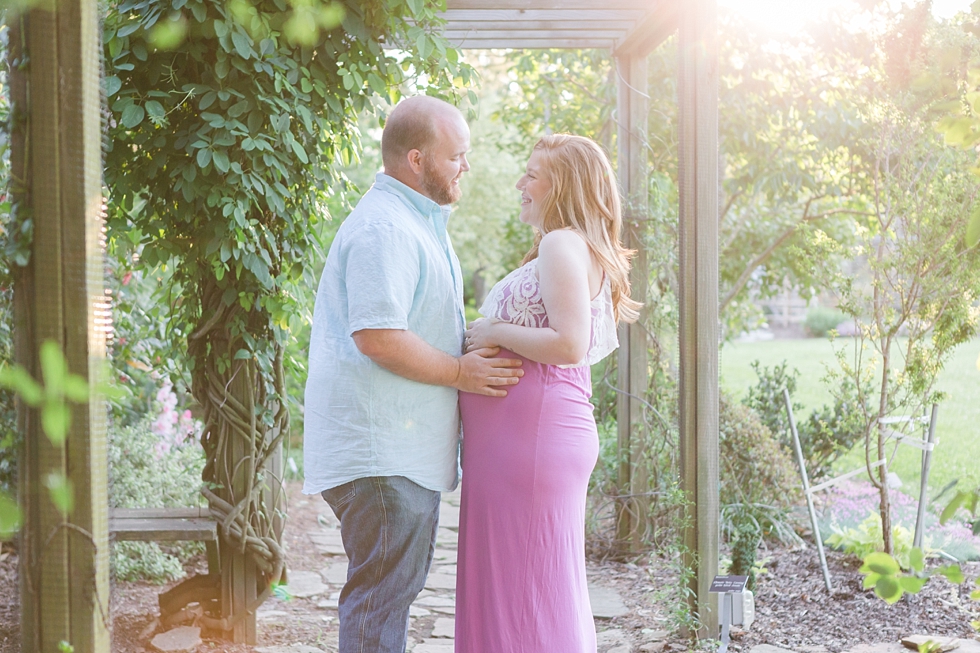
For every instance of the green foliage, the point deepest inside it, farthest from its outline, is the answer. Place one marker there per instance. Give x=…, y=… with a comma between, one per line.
x=144, y=474
x=757, y=475
x=866, y=539
x=968, y=501
x=766, y=398
x=745, y=544
x=820, y=320
x=884, y=573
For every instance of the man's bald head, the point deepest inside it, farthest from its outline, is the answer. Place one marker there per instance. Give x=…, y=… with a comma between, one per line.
x=414, y=124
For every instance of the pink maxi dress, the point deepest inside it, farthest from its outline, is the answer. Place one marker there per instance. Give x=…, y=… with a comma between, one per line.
x=527, y=458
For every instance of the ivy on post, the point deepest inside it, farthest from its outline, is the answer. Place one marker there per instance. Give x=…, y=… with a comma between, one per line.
x=57, y=264
x=227, y=120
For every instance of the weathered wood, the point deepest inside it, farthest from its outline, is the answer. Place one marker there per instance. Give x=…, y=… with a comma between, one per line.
x=525, y=5
x=549, y=17
x=698, y=297
x=531, y=44
x=175, y=527
x=509, y=34
x=646, y=35
x=158, y=513
x=632, y=112
x=57, y=178
x=528, y=27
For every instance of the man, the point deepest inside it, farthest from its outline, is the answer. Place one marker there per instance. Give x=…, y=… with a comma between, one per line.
x=382, y=423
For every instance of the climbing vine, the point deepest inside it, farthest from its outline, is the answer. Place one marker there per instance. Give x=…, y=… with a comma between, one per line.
x=227, y=122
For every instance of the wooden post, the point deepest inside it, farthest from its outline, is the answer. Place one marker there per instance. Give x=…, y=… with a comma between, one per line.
x=697, y=92
x=633, y=478
x=57, y=182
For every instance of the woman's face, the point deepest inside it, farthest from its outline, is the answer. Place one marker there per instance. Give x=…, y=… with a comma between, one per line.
x=534, y=185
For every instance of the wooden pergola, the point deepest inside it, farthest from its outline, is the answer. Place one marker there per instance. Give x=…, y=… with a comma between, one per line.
x=631, y=29
x=60, y=296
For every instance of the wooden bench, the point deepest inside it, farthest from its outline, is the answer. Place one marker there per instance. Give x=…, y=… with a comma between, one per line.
x=162, y=525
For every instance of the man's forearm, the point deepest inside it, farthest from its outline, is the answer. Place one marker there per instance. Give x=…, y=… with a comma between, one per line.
x=406, y=354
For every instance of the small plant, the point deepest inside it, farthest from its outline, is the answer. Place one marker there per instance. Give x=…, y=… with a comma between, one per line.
x=866, y=539
x=766, y=398
x=745, y=545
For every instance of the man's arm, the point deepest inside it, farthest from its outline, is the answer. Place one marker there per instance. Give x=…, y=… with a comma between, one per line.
x=406, y=354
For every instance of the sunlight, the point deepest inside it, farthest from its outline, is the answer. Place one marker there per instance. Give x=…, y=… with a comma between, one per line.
x=790, y=16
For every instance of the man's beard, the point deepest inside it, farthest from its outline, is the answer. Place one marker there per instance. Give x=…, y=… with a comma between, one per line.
x=440, y=191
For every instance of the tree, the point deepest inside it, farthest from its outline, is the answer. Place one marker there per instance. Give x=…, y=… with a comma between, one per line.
x=227, y=121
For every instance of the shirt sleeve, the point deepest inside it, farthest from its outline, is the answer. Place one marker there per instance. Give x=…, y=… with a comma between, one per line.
x=381, y=272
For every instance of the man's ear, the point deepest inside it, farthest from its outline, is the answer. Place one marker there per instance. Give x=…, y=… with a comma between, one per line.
x=414, y=158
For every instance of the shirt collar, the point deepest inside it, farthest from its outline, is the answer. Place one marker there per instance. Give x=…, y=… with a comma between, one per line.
x=415, y=199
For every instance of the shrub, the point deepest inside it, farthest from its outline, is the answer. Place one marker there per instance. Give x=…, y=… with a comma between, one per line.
x=153, y=464
x=825, y=434
x=866, y=538
x=820, y=320
x=756, y=473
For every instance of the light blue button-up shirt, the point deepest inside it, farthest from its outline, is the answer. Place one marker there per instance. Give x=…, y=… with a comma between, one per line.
x=391, y=266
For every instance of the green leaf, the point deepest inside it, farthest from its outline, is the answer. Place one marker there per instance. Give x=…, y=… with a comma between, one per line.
x=243, y=44
x=203, y=157
x=870, y=580
x=10, y=517
x=132, y=115
x=953, y=573
x=55, y=420
x=881, y=563
x=889, y=589
x=220, y=159
x=917, y=561
x=62, y=492
x=912, y=584
x=54, y=368
x=242, y=354
x=16, y=378
x=155, y=110
x=300, y=152
x=76, y=389
x=112, y=85
x=951, y=507
x=973, y=228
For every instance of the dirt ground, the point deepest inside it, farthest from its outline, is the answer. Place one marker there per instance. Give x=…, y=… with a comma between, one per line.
x=793, y=610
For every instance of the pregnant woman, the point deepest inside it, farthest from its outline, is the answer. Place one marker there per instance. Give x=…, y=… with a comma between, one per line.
x=527, y=457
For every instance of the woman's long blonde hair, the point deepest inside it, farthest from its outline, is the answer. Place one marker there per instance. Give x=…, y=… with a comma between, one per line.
x=584, y=197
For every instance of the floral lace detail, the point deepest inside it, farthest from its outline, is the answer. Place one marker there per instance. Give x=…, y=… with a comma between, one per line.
x=517, y=299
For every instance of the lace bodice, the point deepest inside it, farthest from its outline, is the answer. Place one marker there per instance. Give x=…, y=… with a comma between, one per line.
x=517, y=299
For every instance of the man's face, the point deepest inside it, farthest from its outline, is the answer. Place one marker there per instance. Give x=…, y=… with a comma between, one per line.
x=444, y=162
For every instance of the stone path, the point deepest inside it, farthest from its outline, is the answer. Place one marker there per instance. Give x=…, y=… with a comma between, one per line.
x=432, y=615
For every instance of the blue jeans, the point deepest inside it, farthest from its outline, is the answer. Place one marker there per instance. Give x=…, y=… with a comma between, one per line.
x=388, y=525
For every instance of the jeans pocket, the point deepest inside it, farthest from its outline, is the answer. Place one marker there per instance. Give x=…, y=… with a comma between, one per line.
x=340, y=496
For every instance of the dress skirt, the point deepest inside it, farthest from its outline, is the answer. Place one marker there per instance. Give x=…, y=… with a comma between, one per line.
x=527, y=457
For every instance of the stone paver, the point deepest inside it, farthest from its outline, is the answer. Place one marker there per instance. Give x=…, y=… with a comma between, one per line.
x=610, y=641
x=606, y=602
x=435, y=646
x=178, y=640
x=883, y=647
x=768, y=648
x=439, y=581
x=940, y=644
x=304, y=584
x=328, y=542
x=336, y=572
x=445, y=627
x=292, y=648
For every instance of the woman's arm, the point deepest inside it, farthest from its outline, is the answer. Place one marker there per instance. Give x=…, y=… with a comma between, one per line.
x=563, y=270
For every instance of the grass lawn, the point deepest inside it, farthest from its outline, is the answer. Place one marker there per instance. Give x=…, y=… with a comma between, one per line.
x=957, y=456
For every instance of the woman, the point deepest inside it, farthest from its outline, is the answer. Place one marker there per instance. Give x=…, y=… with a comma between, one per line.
x=521, y=585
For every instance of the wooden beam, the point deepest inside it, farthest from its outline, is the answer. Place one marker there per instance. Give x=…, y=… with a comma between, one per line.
x=532, y=44
x=527, y=5
x=621, y=26
x=697, y=92
x=653, y=30
x=541, y=15
x=522, y=35
x=59, y=296
x=632, y=164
